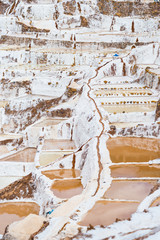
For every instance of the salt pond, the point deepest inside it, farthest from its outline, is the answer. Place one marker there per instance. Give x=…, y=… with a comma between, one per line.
x=14, y=211
x=67, y=188
x=106, y=212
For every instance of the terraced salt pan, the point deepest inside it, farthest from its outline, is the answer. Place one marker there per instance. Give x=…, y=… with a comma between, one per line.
x=116, y=37
x=124, y=124
x=38, y=67
x=102, y=32
x=107, y=52
x=60, y=57
x=14, y=211
x=130, y=152
x=146, y=144
x=3, y=47
x=130, y=190
x=22, y=70
x=67, y=188
x=106, y=212
x=51, y=127
x=119, y=86
x=49, y=122
x=47, y=157
x=122, y=108
x=131, y=92
x=114, y=80
x=61, y=173
x=88, y=38
x=84, y=37
x=137, y=99
x=135, y=171
x=124, y=195
x=61, y=144
x=26, y=155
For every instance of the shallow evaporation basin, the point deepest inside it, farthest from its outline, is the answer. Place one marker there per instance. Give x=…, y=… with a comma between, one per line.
x=49, y=122
x=26, y=155
x=61, y=173
x=130, y=189
x=61, y=144
x=47, y=157
x=121, y=108
x=67, y=188
x=106, y=212
x=15, y=211
x=135, y=171
x=113, y=90
x=133, y=149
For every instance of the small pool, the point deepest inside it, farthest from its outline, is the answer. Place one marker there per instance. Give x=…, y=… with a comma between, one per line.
x=61, y=173
x=106, y=212
x=14, y=211
x=67, y=188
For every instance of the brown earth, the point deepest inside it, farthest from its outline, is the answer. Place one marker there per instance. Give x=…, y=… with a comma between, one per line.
x=26, y=28
x=23, y=188
x=125, y=9
x=69, y=7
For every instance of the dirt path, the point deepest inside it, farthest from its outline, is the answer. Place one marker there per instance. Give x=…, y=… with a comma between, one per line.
x=102, y=124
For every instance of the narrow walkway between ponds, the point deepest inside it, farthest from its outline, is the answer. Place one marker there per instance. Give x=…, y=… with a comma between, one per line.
x=102, y=124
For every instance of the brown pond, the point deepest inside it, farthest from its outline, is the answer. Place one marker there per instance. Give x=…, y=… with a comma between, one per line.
x=67, y=188
x=130, y=190
x=133, y=149
x=106, y=212
x=135, y=171
x=61, y=173
x=26, y=155
x=11, y=212
x=61, y=144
